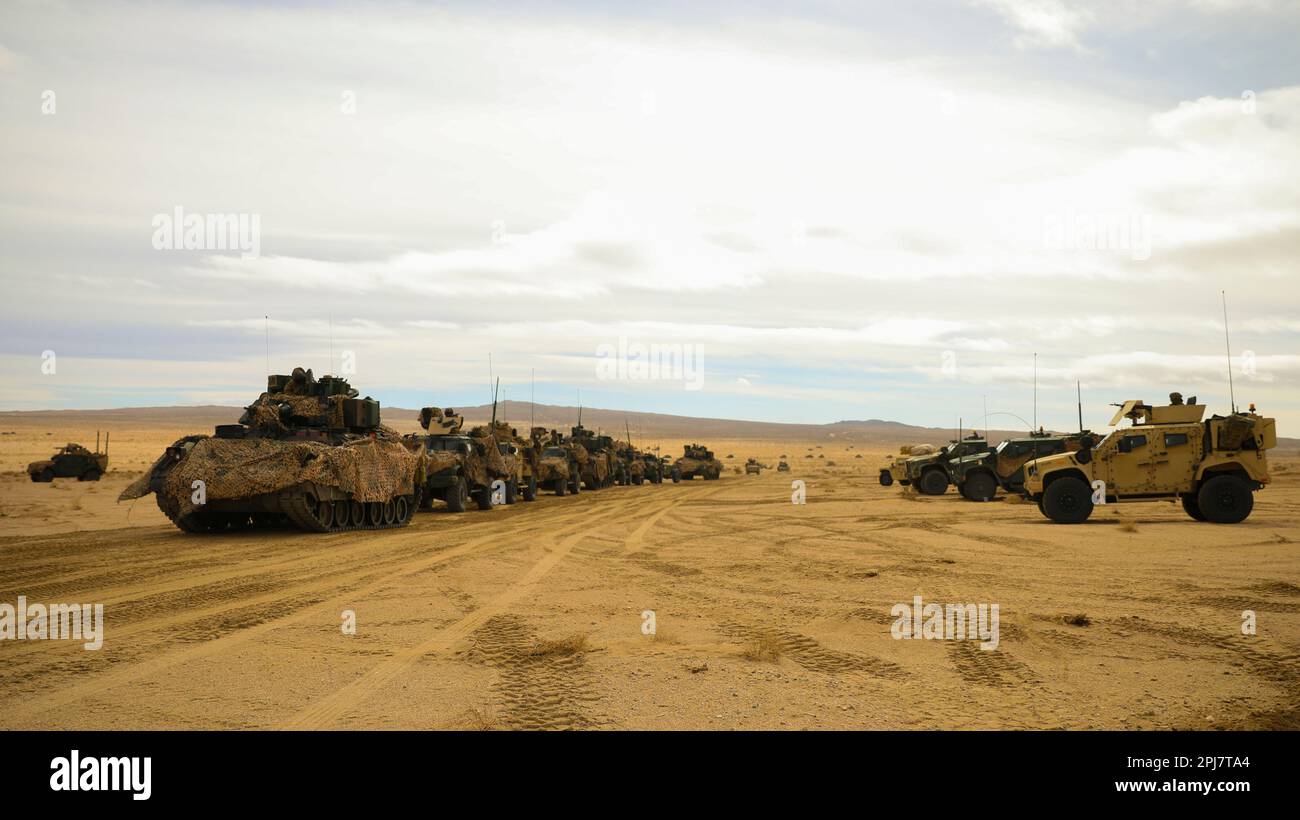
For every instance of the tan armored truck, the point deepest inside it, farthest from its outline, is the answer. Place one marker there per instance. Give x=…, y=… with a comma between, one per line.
x=696, y=460
x=558, y=467
x=752, y=467
x=1211, y=466
x=457, y=465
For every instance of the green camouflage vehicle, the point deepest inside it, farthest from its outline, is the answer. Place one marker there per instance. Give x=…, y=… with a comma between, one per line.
x=928, y=471
x=71, y=461
x=979, y=475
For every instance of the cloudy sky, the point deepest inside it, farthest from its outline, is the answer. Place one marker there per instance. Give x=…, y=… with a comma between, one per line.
x=850, y=211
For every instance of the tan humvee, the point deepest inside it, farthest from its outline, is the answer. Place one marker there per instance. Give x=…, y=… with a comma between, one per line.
x=1212, y=466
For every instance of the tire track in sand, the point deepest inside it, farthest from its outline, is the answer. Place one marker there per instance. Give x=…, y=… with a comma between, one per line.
x=330, y=709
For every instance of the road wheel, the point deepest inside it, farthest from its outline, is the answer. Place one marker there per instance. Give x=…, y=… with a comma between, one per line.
x=980, y=487
x=341, y=520
x=457, y=495
x=530, y=489
x=1225, y=499
x=90, y=475
x=390, y=513
x=374, y=514
x=886, y=478
x=1191, y=506
x=933, y=482
x=404, y=509
x=1067, y=500
x=357, y=514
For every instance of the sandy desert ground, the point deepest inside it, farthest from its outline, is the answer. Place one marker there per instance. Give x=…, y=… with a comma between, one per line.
x=769, y=615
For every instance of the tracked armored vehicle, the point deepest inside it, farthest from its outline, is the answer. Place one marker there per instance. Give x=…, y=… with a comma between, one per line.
x=71, y=461
x=979, y=476
x=458, y=467
x=696, y=460
x=307, y=454
x=1212, y=467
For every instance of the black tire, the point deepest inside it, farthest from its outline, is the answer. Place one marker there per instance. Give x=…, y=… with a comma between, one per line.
x=561, y=486
x=47, y=475
x=886, y=478
x=92, y=474
x=933, y=482
x=483, y=498
x=1225, y=499
x=530, y=489
x=980, y=486
x=1191, y=506
x=512, y=492
x=1067, y=500
x=457, y=496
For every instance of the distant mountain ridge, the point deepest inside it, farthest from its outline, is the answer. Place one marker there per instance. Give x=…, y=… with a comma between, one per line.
x=643, y=426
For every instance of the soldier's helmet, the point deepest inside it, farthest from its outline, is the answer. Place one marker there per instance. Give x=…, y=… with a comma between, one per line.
x=1175, y=398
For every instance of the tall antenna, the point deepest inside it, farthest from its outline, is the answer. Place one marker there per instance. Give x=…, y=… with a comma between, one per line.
x=1035, y=430
x=267, y=319
x=1078, y=392
x=495, y=391
x=1232, y=394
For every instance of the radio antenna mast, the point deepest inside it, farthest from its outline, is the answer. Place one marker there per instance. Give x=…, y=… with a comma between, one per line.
x=1078, y=392
x=1035, y=430
x=1232, y=395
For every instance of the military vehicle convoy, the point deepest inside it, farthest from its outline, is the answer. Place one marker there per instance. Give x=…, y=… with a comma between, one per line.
x=696, y=460
x=978, y=476
x=457, y=468
x=927, y=468
x=1212, y=466
x=71, y=461
x=308, y=454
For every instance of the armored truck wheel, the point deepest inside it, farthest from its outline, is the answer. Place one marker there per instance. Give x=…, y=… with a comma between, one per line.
x=980, y=486
x=530, y=489
x=512, y=492
x=1191, y=506
x=457, y=495
x=45, y=476
x=92, y=474
x=933, y=482
x=483, y=498
x=886, y=478
x=1067, y=500
x=1225, y=499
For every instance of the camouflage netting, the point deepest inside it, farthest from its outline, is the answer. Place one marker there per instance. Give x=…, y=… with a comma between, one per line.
x=369, y=469
x=496, y=463
x=439, y=460
x=919, y=450
x=265, y=412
